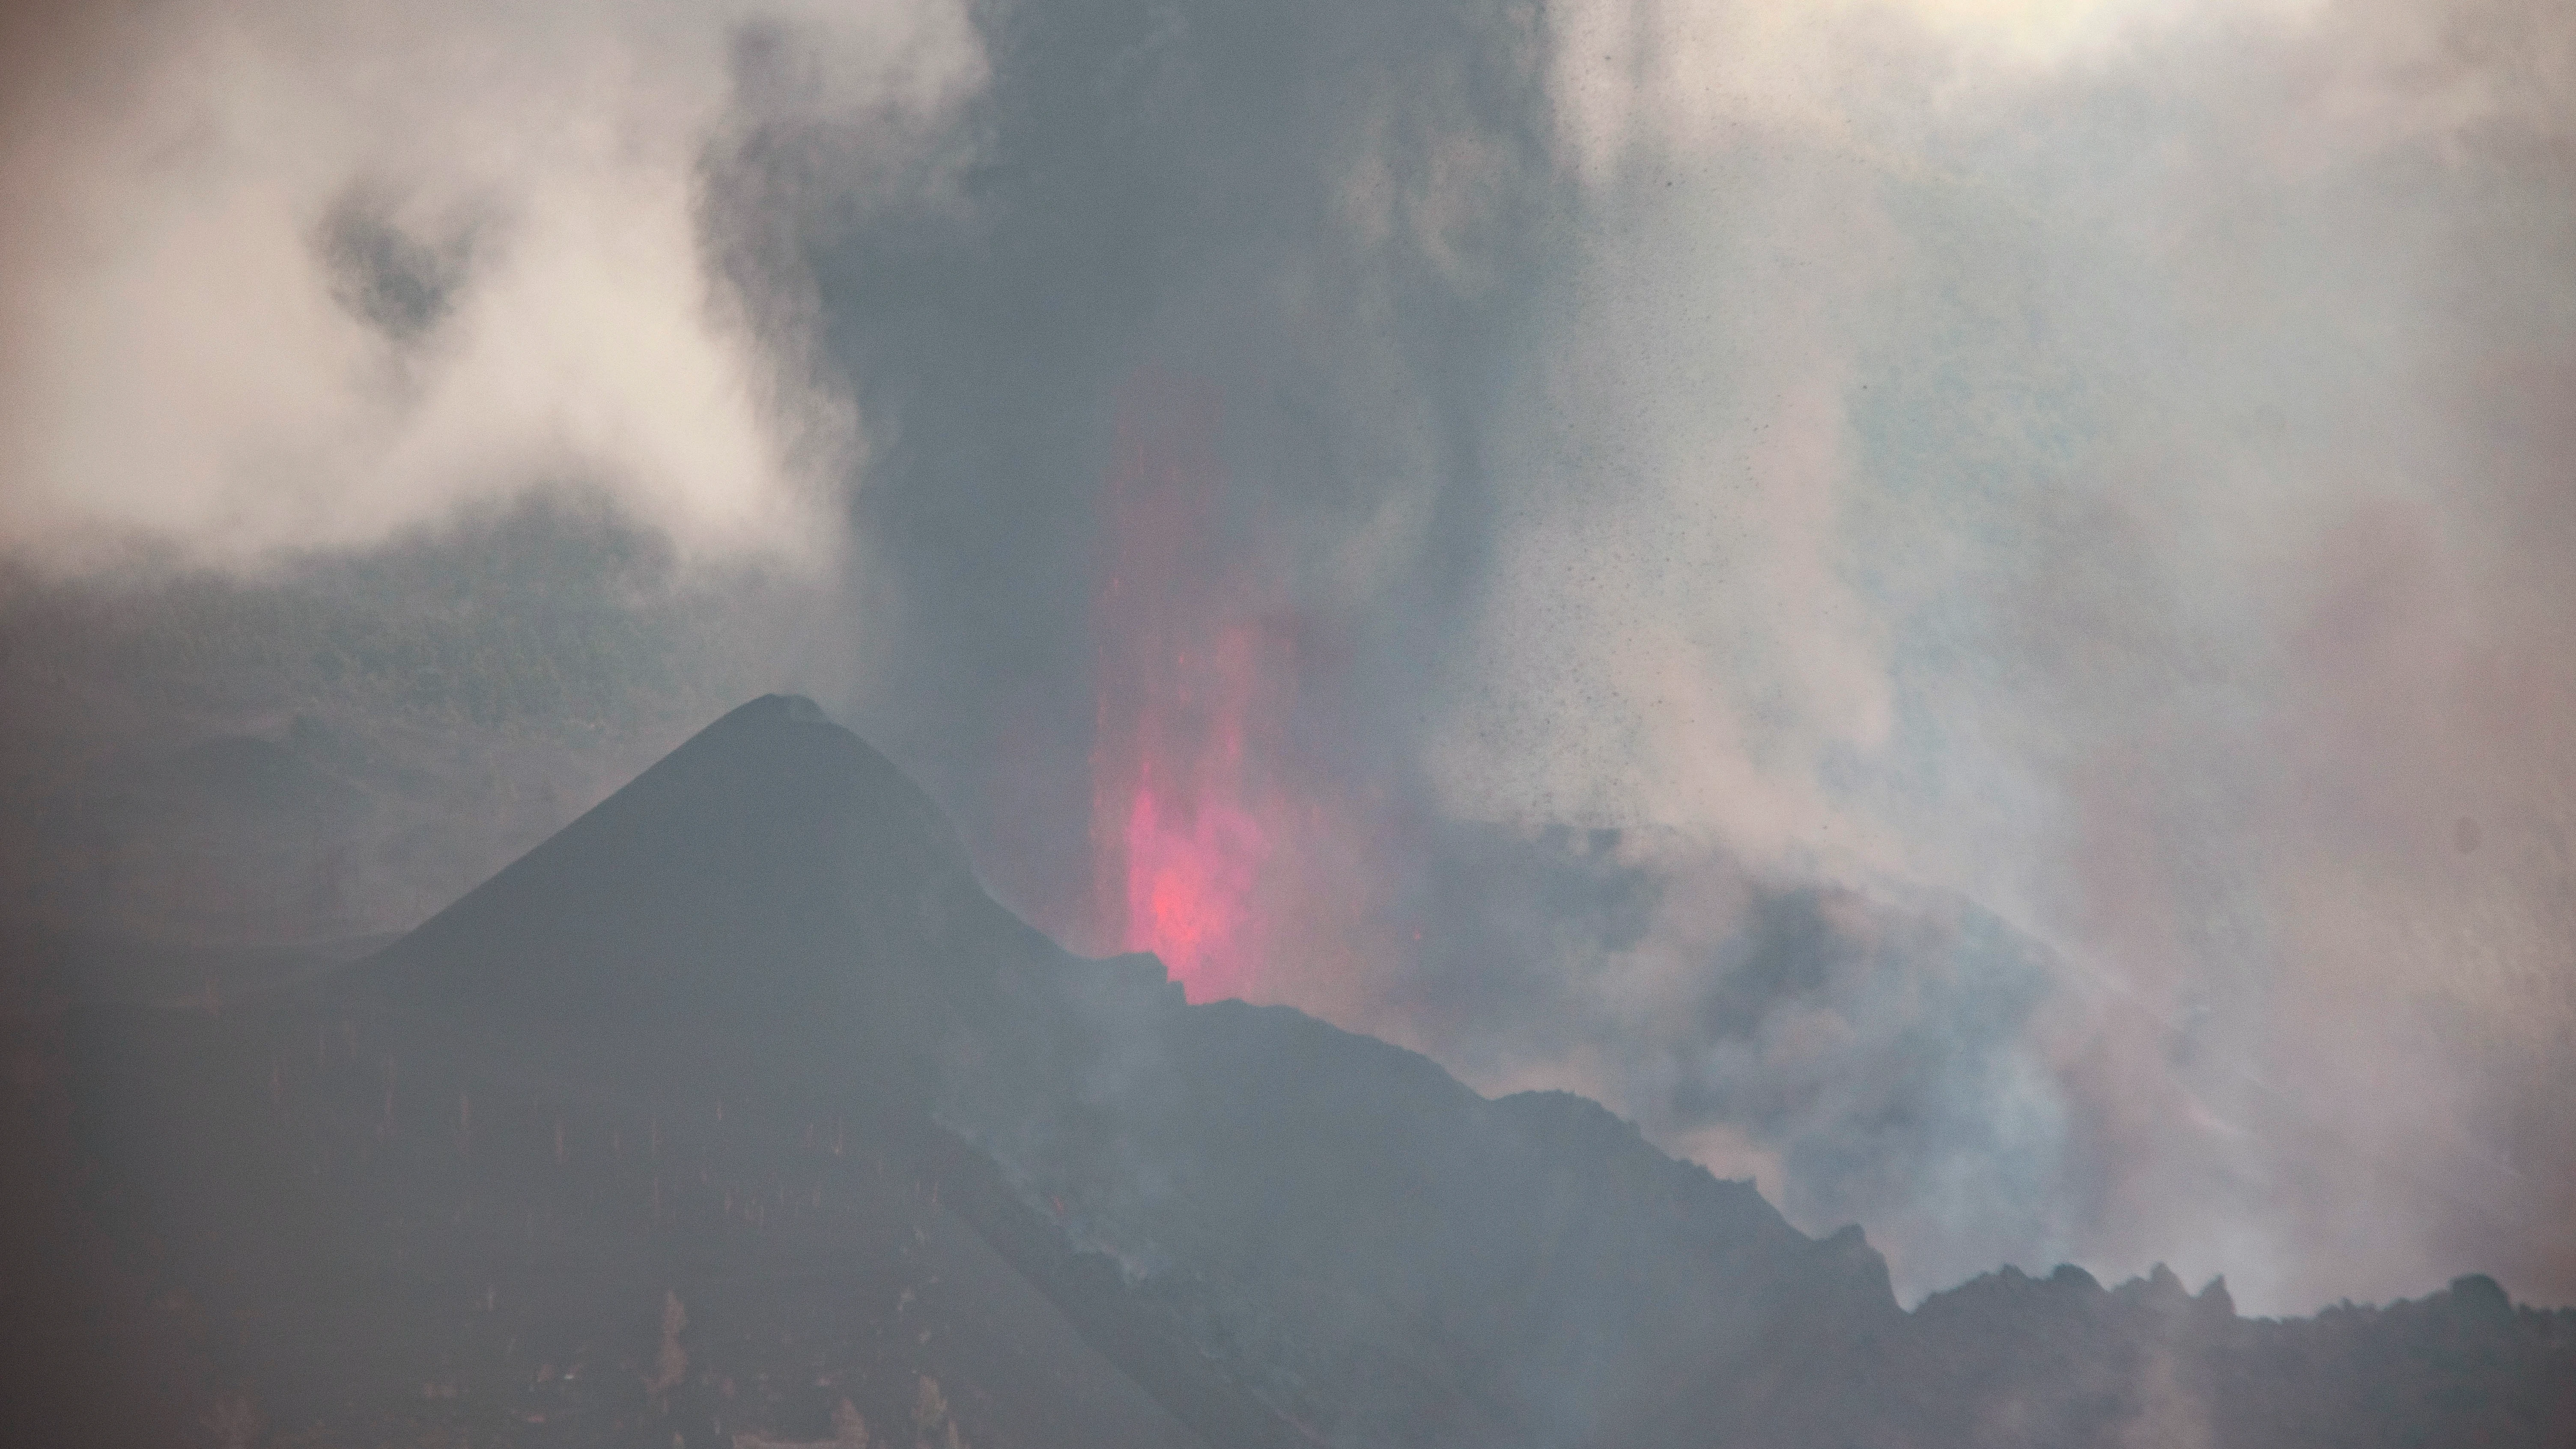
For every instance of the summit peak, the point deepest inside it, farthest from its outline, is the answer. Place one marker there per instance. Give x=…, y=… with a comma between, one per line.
x=774, y=876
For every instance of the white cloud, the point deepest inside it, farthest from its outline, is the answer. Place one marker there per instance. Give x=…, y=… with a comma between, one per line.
x=193, y=360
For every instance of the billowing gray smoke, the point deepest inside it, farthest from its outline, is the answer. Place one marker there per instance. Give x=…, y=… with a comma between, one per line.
x=1954, y=606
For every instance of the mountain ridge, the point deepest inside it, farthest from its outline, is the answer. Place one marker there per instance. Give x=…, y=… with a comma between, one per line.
x=748, y=1038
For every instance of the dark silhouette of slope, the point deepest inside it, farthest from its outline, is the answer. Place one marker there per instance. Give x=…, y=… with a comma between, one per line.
x=375, y=1243
x=679, y=1054
x=737, y=1113
x=2009, y=1360
x=773, y=895
x=1389, y=1256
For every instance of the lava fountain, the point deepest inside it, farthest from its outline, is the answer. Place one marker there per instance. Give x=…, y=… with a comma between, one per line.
x=1189, y=684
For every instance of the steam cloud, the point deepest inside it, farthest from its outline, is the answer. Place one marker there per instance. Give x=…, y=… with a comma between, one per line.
x=1956, y=606
x=289, y=276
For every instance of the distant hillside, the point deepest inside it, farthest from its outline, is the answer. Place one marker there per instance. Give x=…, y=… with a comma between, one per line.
x=738, y=1114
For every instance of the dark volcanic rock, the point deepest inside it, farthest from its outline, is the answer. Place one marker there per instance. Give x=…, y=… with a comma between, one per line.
x=1387, y=1256
x=675, y=1060
x=772, y=897
x=737, y=1113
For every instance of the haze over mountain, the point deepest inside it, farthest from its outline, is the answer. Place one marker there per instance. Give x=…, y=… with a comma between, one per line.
x=1954, y=606
x=737, y=1113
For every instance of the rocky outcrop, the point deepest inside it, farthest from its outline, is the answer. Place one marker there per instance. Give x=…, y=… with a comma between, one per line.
x=737, y=1113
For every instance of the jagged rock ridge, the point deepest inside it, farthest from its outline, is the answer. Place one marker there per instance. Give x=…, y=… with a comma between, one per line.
x=747, y=1043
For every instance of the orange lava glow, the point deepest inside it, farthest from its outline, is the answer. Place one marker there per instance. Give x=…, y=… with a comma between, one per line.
x=1187, y=684
x=1193, y=855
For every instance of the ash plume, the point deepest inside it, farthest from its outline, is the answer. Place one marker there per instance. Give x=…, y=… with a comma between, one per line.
x=1954, y=607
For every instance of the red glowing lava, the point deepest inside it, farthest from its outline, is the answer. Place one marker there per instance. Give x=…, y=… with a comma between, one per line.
x=1187, y=682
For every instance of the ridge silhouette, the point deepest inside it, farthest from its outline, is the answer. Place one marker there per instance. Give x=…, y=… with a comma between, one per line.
x=737, y=1113
x=773, y=897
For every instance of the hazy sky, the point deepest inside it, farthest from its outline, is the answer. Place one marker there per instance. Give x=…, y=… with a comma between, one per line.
x=1960, y=606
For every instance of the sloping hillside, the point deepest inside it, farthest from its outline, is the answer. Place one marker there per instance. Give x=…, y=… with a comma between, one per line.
x=738, y=1113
